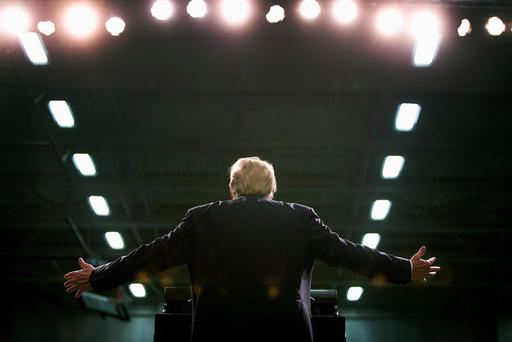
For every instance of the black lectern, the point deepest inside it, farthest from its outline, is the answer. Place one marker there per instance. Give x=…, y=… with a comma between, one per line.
x=174, y=322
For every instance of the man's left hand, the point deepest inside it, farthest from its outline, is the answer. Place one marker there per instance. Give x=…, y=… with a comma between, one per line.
x=423, y=269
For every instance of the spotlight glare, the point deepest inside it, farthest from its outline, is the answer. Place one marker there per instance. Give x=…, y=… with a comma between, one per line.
x=34, y=48
x=345, y=11
x=81, y=20
x=275, y=14
x=495, y=26
x=162, y=9
x=235, y=12
x=464, y=28
x=46, y=27
x=197, y=8
x=309, y=9
x=115, y=26
x=389, y=21
x=424, y=23
x=15, y=20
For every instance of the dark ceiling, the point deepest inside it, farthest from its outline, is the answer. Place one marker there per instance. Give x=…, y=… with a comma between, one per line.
x=165, y=108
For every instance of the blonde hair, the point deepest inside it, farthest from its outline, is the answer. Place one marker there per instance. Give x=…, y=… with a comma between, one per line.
x=252, y=176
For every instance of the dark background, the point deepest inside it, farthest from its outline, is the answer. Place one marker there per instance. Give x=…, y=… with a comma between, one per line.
x=165, y=108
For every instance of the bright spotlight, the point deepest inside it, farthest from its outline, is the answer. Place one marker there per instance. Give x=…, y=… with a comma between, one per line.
x=389, y=21
x=495, y=26
x=81, y=20
x=197, y=8
x=46, y=27
x=115, y=26
x=275, y=14
x=310, y=9
x=162, y=9
x=464, y=28
x=235, y=12
x=424, y=23
x=15, y=20
x=345, y=11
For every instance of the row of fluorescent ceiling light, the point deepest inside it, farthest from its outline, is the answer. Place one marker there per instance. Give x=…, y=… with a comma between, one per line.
x=63, y=116
x=405, y=120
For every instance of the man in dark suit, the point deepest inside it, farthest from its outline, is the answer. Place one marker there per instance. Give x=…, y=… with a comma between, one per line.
x=250, y=261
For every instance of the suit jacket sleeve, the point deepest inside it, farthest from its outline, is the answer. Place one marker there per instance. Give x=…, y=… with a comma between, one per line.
x=167, y=251
x=329, y=247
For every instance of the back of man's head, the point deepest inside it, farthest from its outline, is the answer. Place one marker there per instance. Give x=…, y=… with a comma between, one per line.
x=252, y=176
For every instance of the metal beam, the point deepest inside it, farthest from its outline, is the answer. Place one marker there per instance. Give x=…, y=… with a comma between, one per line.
x=286, y=184
x=159, y=139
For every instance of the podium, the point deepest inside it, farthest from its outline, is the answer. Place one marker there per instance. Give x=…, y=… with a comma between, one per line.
x=173, y=324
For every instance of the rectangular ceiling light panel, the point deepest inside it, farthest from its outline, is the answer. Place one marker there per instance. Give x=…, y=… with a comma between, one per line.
x=354, y=293
x=407, y=116
x=61, y=113
x=137, y=289
x=425, y=49
x=84, y=164
x=380, y=209
x=392, y=166
x=34, y=48
x=99, y=205
x=115, y=240
x=371, y=240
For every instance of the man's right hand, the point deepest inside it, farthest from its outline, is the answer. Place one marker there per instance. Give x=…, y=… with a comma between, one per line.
x=79, y=280
x=423, y=269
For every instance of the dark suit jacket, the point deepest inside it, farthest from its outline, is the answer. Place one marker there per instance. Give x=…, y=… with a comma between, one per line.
x=250, y=262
